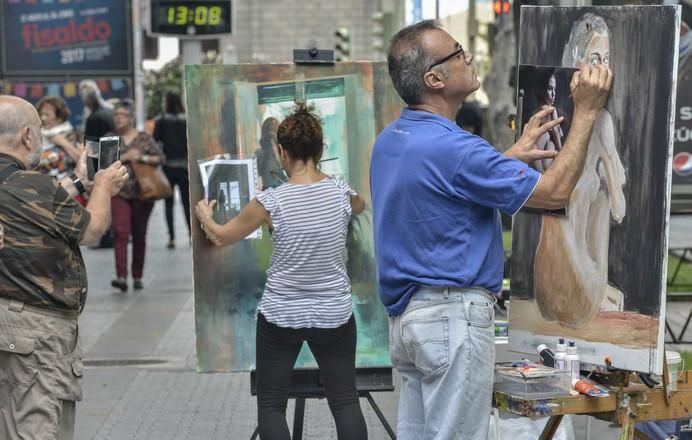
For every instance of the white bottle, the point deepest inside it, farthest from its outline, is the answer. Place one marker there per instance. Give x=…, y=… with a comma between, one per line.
x=561, y=355
x=572, y=360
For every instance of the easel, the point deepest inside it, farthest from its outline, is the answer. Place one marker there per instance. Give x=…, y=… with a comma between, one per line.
x=627, y=405
x=306, y=384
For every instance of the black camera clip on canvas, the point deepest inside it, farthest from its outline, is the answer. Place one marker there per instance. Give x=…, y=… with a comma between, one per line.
x=313, y=56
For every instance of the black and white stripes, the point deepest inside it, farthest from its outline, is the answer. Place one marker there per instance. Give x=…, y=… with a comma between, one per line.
x=307, y=283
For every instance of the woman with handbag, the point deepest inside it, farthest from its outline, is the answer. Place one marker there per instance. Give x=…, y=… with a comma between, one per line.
x=130, y=212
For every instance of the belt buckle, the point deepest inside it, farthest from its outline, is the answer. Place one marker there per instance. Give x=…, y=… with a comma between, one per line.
x=16, y=306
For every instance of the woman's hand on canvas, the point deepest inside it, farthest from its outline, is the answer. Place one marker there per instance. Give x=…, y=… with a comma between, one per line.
x=526, y=148
x=204, y=211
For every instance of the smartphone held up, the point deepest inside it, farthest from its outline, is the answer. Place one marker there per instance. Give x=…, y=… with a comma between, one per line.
x=101, y=154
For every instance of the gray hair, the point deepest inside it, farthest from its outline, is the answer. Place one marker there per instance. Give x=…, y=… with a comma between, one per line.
x=89, y=88
x=408, y=61
x=579, y=37
x=15, y=117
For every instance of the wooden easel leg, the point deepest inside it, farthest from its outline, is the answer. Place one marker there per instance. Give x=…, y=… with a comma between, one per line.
x=627, y=432
x=551, y=427
x=298, y=416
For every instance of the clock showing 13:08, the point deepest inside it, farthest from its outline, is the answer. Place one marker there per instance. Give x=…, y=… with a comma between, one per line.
x=192, y=18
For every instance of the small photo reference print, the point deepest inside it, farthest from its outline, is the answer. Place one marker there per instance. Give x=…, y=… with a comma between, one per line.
x=541, y=87
x=232, y=184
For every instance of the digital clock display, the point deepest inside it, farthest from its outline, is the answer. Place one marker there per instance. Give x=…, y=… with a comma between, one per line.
x=191, y=18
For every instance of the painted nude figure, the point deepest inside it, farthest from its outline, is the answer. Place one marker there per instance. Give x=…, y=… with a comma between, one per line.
x=571, y=265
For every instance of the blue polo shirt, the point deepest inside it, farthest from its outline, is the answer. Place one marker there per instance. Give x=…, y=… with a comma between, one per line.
x=436, y=191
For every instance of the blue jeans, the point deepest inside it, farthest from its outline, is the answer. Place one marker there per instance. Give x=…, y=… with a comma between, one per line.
x=443, y=346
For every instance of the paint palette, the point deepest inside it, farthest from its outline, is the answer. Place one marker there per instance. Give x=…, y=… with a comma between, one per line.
x=531, y=381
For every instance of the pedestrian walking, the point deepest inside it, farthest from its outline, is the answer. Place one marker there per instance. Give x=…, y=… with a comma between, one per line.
x=170, y=129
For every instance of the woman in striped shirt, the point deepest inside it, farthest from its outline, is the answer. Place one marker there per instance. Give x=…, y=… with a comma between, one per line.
x=307, y=295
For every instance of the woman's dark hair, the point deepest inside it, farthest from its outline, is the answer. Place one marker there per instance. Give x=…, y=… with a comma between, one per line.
x=540, y=89
x=300, y=134
x=62, y=112
x=174, y=103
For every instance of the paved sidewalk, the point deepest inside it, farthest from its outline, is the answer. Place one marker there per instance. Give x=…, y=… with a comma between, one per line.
x=140, y=382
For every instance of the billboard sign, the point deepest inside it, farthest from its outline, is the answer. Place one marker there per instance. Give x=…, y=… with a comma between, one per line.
x=47, y=37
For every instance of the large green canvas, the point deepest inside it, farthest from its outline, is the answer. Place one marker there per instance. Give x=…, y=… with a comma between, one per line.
x=226, y=107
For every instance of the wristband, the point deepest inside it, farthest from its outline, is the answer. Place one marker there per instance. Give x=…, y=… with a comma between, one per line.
x=77, y=183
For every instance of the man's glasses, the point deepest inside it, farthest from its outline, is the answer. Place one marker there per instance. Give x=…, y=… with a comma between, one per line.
x=458, y=51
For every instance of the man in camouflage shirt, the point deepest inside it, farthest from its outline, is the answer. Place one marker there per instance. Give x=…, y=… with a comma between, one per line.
x=43, y=282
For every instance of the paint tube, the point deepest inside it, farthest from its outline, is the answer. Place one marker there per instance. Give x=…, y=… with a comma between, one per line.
x=588, y=389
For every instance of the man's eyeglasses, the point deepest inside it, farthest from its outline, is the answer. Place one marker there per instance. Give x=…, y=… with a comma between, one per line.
x=458, y=51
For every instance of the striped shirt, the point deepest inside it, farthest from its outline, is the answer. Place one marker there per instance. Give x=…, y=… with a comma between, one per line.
x=307, y=283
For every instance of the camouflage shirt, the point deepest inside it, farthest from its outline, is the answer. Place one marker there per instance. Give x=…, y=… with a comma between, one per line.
x=41, y=263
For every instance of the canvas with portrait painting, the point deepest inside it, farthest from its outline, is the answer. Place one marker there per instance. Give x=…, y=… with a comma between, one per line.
x=597, y=275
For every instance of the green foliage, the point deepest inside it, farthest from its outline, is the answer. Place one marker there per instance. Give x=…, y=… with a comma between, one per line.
x=683, y=281
x=157, y=83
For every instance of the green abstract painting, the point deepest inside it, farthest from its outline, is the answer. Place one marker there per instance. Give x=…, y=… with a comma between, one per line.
x=231, y=109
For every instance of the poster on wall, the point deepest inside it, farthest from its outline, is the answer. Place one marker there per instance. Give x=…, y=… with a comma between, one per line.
x=236, y=110
x=72, y=36
x=34, y=89
x=597, y=276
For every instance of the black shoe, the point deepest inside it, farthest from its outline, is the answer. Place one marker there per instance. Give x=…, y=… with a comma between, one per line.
x=120, y=283
x=171, y=244
x=137, y=285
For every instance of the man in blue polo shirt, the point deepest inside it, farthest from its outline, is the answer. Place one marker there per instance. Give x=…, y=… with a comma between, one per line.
x=436, y=192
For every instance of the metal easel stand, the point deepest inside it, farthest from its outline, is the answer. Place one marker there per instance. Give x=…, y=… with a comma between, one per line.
x=306, y=384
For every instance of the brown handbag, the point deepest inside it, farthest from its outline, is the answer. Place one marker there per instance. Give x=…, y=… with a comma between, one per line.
x=153, y=184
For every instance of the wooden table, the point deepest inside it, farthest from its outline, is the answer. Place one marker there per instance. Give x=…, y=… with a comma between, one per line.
x=625, y=406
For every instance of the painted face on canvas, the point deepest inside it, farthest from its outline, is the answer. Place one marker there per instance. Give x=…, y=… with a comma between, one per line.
x=598, y=50
x=552, y=84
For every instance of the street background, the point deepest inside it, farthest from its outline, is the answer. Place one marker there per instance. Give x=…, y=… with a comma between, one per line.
x=140, y=380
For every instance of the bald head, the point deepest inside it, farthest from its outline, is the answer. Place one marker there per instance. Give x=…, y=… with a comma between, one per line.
x=20, y=128
x=16, y=115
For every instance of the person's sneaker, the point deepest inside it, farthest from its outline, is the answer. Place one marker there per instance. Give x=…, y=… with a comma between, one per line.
x=120, y=283
x=137, y=284
x=171, y=244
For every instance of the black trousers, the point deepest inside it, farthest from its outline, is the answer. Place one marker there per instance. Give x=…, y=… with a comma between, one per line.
x=177, y=176
x=335, y=353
